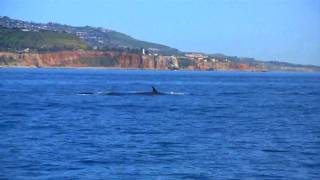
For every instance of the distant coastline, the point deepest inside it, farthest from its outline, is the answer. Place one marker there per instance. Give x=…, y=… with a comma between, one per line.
x=114, y=59
x=29, y=44
x=137, y=69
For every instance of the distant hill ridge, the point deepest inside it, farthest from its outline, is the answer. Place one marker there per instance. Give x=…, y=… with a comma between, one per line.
x=97, y=38
x=41, y=41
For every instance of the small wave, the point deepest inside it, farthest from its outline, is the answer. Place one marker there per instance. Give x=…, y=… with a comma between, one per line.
x=177, y=93
x=86, y=93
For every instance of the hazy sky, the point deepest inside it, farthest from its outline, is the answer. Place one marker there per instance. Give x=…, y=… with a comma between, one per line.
x=286, y=30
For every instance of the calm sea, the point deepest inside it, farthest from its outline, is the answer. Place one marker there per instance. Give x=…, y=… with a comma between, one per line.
x=65, y=124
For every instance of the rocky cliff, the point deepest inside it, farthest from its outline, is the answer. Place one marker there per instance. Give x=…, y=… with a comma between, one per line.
x=114, y=59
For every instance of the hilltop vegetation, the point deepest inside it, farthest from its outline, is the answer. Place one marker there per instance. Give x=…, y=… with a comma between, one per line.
x=122, y=40
x=95, y=37
x=41, y=41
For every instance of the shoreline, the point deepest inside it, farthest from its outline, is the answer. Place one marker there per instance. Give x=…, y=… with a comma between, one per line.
x=147, y=69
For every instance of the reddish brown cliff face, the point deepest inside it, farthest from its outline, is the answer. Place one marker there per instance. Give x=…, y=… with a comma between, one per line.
x=110, y=59
x=127, y=60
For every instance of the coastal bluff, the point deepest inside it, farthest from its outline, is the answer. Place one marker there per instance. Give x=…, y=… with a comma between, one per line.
x=113, y=59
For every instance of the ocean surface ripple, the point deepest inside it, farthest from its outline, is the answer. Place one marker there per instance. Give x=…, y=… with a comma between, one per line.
x=208, y=125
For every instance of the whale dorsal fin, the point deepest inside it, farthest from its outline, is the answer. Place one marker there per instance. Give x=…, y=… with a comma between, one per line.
x=154, y=90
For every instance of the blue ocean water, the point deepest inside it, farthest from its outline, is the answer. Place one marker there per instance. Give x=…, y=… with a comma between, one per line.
x=62, y=124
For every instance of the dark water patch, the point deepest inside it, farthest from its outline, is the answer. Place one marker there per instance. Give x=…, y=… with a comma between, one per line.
x=189, y=176
x=20, y=104
x=36, y=108
x=219, y=107
x=169, y=144
x=54, y=104
x=140, y=132
x=17, y=115
x=162, y=154
x=124, y=106
x=304, y=153
x=314, y=93
x=267, y=176
x=275, y=151
x=173, y=109
x=103, y=162
x=9, y=124
x=300, y=93
x=311, y=165
x=235, y=93
x=44, y=127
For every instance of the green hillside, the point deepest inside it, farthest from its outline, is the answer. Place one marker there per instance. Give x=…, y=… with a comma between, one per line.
x=120, y=39
x=16, y=39
x=94, y=37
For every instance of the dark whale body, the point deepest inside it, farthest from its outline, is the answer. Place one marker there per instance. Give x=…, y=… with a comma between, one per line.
x=154, y=92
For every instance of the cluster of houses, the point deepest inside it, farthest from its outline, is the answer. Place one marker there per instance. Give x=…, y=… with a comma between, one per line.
x=199, y=57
